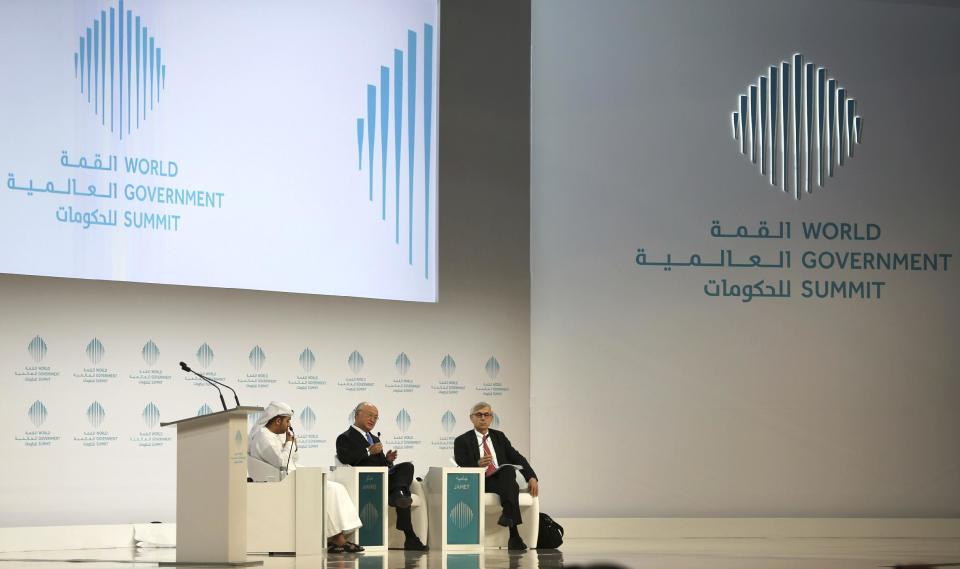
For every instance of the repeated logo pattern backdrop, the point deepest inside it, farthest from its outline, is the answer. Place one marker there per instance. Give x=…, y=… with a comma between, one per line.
x=85, y=399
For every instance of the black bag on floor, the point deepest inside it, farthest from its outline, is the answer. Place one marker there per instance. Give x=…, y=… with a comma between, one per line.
x=551, y=533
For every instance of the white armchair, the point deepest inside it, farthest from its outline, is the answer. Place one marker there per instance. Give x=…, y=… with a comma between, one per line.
x=496, y=535
x=347, y=475
x=287, y=515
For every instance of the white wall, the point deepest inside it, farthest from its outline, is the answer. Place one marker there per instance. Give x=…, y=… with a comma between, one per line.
x=714, y=406
x=483, y=311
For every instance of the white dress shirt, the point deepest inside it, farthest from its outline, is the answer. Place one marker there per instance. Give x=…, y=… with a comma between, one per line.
x=493, y=453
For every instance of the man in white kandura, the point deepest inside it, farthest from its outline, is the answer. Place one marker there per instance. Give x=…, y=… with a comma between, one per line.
x=273, y=442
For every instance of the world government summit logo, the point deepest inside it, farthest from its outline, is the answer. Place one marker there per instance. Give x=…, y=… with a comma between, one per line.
x=797, y=125
x=37, y=348
x=119, y=67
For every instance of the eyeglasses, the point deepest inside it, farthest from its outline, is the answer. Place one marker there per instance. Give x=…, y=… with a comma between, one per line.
x=483, y=415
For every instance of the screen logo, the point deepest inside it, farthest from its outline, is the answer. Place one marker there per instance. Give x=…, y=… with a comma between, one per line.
x=120, y=70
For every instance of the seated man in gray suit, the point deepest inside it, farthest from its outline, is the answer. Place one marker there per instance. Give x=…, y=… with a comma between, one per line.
x=489, y=448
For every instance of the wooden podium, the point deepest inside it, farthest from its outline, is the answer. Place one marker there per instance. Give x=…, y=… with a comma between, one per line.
x=212, y=489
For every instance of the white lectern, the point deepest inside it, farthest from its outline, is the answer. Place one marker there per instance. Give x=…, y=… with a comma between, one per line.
x=212, y=489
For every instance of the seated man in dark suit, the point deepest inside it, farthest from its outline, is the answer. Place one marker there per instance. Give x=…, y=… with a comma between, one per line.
x=490, y=448
x=359, y=447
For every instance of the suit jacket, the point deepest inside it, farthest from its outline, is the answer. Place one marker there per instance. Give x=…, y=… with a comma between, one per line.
x=352, y=450
x=466, y=451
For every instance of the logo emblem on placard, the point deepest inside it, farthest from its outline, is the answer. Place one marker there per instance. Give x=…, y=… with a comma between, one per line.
x=797, y=125
x=448, y=366
x=37, y=349
x=37, y=413
x=95, y=414
x=151, y=353
x=461, y=515
x=205, y=355
x=151, y=416
x=402, y=364
x=308, y=418
x=369, y=514
x=403, y=420
x=95, y=351
x=257, y=358
x=355, y=361
x=120, y=69
x=307, y=360
x=492, y=367
x=449, y=421
x=204, y=410
x=238, y=438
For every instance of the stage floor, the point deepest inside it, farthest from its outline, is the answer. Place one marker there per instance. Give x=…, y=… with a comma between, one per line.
x=635, y=553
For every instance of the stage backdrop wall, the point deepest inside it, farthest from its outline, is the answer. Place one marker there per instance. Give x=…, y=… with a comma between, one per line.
x=723, y=384
x=90, y=368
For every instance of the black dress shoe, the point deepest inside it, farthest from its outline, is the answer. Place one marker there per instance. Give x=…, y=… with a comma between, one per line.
x=516, y=544
x=398, y=500
x=505, y=521
x=414, y=544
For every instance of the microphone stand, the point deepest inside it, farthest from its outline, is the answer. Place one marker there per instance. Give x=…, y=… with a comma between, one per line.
x=290, y=453
x=187, y=369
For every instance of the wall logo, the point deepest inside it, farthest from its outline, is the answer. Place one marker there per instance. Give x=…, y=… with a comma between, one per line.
x=205, y=355
x=369, y=515
x=307, y=360
x=495, y=423
x=151, y=416
x=37, y=413
x=492, y=367
x=308, y=418
x=402, y=364
x=96, y=414
x=448, y=366
x=448, y=421
x=425, y=149
x=95, y=351
x=257, y=358
x=403, y=420
x=37, y=349
x=204, y=410
x=355, y=361
x=461, y=515
x=120, y=69
x=797, y=125
x=151, y=353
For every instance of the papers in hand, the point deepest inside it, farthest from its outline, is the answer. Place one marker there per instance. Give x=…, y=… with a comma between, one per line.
x=516, y=467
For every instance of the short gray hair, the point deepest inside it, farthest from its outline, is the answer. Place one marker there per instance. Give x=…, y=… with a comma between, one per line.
x=360, y=406
x=478, y=406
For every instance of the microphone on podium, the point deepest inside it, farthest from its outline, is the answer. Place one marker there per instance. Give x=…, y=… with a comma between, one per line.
x=213, y=382
x=187, y=369
x=290, y=453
